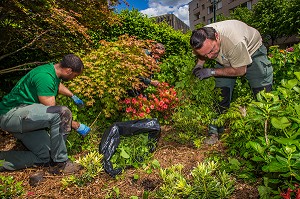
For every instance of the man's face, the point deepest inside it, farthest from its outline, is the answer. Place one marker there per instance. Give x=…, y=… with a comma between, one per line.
x=210, y=49
x=68, y=74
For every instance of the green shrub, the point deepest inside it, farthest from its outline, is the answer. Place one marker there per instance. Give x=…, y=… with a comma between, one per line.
x=9, y=188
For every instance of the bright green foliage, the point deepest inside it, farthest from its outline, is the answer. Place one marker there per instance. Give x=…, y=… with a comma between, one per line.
x=207, y=182
x=188, y=124
x=136, y=24
x=270, y=18
x=9, y=188
x=284, y=62
x=269, y=126
x=239, y=13
x=132, y=151
x=92, y=164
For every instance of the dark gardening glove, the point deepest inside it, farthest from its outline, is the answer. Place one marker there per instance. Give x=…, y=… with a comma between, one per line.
x=83, y=130
x=77, y=101
x=145, y=80
x=202, y=73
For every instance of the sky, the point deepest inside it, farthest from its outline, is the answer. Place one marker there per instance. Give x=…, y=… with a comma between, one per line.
x=153, y=8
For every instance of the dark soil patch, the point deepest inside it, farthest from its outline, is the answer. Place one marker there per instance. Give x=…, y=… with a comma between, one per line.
x=167, y=153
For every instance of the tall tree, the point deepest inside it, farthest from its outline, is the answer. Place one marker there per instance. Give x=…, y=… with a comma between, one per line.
x=271, y=18
x=45, y=29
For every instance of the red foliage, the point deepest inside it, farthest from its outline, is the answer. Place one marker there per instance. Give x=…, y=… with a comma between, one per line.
x=160, y=103
x=287, y=195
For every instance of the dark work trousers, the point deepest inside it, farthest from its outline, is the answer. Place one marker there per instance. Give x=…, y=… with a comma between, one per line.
x=259, y=75
x=42, y=129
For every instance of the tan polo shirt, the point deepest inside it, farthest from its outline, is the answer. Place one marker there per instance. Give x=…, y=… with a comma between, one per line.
x=238, y=42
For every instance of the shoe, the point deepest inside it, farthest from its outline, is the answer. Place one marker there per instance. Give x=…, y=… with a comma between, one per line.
x=212, y=139
x=36, y=178
x=66, y=167
x=213, y=129
x=6, y=166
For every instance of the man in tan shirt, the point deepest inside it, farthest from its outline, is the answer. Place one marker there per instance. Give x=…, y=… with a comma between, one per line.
x=239, y=51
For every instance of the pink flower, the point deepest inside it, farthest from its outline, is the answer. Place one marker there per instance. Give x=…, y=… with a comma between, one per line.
x=133, y=100
x=142, y=114
x=147, y=110
x=161, y=103
x=127, y=101
x=291, y=49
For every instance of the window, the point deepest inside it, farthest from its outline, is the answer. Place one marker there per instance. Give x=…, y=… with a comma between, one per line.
x=210, y=9
x=209, y=21
x=203, y=19
x=249, y=5
x=203, y=6
x=219, y=5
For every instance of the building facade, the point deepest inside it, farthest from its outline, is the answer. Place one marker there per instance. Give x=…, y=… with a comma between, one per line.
x=173, y=21
x=202, y=11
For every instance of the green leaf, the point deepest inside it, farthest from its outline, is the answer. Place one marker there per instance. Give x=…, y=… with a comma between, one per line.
x=155, y=164
x=124, y=154
x=295, y=119
x=282, y=160
x=257, y=159
x=297, y=108
x=280, y=123
x=297, y=74
x=292, y=83
x=286, y=141
x=264, y=192
x=275, y=166
x=256, y=146
x=234, y=163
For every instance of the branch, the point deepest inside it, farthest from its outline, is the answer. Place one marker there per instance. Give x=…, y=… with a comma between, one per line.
x=18, y=68
x=27, y=45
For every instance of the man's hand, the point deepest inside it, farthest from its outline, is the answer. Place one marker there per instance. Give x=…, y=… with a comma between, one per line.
x=83, y=130
x=77, y=101
x=202, y=73
x=154, y=82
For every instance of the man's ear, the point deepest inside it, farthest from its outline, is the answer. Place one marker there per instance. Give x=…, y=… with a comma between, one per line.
x=69, y=71
x=217, y=36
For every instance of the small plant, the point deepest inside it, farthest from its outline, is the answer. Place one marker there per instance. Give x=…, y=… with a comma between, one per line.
x=92, y=163
x=133, y=151
x=9, y=188
x=207, y=182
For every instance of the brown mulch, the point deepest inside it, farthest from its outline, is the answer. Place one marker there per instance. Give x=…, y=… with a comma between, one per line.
x=167, y=153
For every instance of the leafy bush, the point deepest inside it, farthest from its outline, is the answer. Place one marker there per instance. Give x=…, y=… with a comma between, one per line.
x=270, y=127
x=9, y=188
x=109, y=72
x=207, y=182
x=160, y=103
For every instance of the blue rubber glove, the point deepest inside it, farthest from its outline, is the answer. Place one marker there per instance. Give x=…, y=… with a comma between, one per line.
x=77, y=101
x=145, y=80
x=83, y=130
x=202, y=73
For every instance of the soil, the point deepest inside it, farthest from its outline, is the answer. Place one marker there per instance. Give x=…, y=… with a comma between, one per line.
x=167, y=153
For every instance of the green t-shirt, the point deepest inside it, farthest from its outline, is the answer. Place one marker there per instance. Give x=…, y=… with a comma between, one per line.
x=40, y=81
